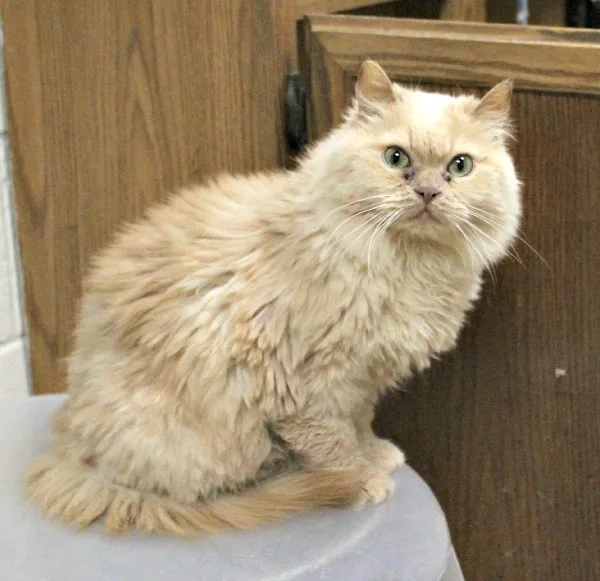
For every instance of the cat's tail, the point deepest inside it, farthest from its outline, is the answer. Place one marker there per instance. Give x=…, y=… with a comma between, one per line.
x=80, y=494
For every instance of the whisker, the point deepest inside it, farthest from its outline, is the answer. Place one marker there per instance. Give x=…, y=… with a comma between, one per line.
x=497, y=225
x=338, y=208
x=508, y=250
x=369, y=221
x=512, y=252
x=488, y=265
x=484, y=262
x=373, y=236
x=382, y=227
x=456, y=227
x=373, y=221
x=370, y=209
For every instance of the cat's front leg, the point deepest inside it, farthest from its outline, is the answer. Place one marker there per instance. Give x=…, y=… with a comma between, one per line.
x=379, y=452
x=383, y=454
x=330, y=443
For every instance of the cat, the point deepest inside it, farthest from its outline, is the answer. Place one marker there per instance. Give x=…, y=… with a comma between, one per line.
x=232, y=345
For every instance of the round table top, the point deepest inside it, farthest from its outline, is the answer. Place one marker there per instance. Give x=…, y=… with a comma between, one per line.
x=404, y=538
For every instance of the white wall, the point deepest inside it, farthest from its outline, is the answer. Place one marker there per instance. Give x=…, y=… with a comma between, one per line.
x=14, y=369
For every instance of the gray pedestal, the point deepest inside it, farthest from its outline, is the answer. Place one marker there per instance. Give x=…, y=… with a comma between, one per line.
x=405, y=538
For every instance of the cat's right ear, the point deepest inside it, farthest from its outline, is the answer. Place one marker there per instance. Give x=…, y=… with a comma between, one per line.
x=373, y=88
x=494, y=108
x=373, y=84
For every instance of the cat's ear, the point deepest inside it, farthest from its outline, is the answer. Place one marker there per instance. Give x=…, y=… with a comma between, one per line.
x=496, y=102
x=494, y=110
x=373, y=89
x=373, y=84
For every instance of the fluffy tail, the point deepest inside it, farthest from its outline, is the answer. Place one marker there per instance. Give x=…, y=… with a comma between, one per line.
x=80, y=494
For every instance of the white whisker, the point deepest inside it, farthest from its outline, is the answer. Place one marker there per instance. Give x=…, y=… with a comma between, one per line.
x=491, y=216
x=370, y=209
x=378, y=233
x=484, y=262
x=512, y=252
x=457, y=228
x=371, y=222
x=488, y=265
x=373, y=235
x=362, y=225
x=338, y=208
x=494, y=241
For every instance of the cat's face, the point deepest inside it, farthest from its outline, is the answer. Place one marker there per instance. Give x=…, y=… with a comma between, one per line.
x=429, y=165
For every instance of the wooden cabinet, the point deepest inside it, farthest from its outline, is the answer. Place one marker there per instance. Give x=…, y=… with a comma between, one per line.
x=507, y=428
x=112, y=103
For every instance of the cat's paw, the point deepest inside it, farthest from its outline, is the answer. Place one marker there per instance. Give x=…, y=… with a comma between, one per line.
x=384, y=455
x=376, y=489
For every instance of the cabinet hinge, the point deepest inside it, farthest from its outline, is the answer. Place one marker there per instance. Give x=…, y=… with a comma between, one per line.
x=296, y=134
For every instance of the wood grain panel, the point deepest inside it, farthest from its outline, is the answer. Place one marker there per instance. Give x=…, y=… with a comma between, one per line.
x=464, y=10
x=112, y=103
x=506, y=428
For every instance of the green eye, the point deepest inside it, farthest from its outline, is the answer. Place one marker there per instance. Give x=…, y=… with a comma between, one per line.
x=396, y=157
x=461, y=166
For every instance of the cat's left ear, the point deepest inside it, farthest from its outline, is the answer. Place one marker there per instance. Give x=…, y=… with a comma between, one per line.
x=494, y=110
x=373, y=88
x=496, y=102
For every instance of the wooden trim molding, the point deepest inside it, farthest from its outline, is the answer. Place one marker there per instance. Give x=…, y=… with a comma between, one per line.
x=332, y=47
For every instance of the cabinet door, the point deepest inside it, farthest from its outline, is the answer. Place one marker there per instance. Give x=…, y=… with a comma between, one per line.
x=507, y=428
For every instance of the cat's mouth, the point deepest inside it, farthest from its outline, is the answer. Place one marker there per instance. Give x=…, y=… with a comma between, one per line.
x=425, y=215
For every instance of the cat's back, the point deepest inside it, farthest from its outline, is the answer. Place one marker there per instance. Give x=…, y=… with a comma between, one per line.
x=173, y=273
x=201, y=231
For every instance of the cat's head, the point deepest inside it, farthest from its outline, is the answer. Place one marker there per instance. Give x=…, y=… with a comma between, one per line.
x=425, y=165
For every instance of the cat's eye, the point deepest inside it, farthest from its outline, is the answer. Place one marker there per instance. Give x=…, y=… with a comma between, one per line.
x=461, y=166
x=396, y=157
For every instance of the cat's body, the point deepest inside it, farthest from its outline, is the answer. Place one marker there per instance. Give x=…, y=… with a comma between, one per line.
x=249, y=326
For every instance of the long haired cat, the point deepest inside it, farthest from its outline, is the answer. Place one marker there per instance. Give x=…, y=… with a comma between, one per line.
x=231, y=346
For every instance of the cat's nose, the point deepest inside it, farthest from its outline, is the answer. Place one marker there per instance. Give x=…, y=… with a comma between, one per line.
x=428, y=193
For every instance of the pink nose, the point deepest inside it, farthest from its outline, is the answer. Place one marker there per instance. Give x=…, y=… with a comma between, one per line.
x=427, y=193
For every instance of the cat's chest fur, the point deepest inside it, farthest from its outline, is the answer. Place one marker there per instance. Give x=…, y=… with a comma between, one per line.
x=395, y=320
x=341, y=323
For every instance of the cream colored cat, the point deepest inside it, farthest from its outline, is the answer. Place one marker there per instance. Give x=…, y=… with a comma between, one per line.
x=231, y=346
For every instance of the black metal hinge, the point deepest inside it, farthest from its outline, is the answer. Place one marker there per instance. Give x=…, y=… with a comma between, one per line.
x=296, y=134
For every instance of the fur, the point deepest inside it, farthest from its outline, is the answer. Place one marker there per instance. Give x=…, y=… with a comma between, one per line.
x=232, y=345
